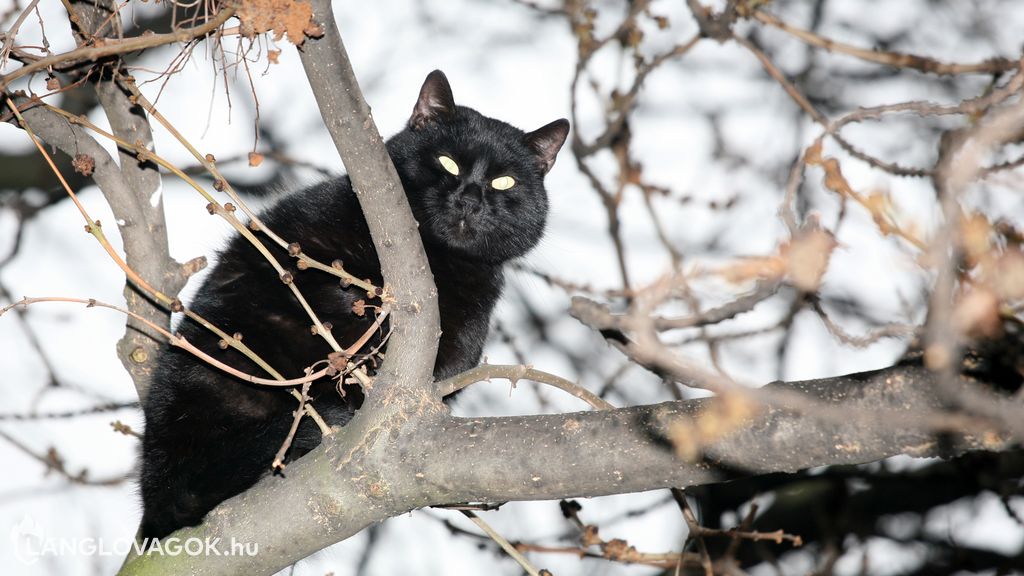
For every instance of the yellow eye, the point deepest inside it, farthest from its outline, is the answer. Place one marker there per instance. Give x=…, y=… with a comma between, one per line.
x=503, y=183
x=449, y=165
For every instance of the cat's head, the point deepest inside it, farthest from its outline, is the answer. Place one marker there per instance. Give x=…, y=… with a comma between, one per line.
x=475, y=184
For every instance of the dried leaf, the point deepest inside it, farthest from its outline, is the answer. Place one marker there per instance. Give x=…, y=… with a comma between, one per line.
x=1008, y=277
x=758, y=268
x=977, y=314
x=291, y=17
x=723, y=415
x=807, y=258
x=975, y=237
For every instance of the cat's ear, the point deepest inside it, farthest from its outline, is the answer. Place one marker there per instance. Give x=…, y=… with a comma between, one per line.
x=435, y=101
x=547, y=140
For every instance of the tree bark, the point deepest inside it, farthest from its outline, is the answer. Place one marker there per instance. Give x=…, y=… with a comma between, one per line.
x=341, y=488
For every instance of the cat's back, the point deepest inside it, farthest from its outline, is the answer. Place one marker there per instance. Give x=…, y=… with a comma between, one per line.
x=245, y=295
x=323, y=219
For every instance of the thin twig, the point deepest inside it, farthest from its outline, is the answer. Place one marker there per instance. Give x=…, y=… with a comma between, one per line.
x=515, y=373
x=54, y=462
x=920, y=63
x=508, y=548
x=278, y=463
x=68, y=414
x=113, y=47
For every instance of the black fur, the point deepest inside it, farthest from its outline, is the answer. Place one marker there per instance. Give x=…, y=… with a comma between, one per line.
x=210, y=436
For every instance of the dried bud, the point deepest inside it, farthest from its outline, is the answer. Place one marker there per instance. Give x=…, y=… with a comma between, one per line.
x=337, y=265
x=287, y=278
x=359, y=307
x=328, y=326
x=229, y=207
x=237, y=336
x=176, y=305
x=194, y=265
x=83, y=164
x=345, y=282
x=617, y=549
x=294, y=249
x=302, y=265
x=219, y=185
x=313, y=330
x=254, y=226
x=52, y=83
x=570, y=508
x=222, y=344
x=210, y=158
x=211, y=208
x=255, y=159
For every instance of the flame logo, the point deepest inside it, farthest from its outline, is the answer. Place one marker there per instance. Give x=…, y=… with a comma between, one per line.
x=27, y=537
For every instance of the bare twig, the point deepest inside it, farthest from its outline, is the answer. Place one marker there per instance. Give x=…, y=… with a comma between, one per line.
x=920, y=63
x=53, y=462
x=114, y=47
x=505, y=545
x=516, y=373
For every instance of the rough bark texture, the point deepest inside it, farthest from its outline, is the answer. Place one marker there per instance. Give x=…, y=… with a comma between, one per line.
x=414, y=319
x=142, y=233
x=132, y=189
x=335, y=492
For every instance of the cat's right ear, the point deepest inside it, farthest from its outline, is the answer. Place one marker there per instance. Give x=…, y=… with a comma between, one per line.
x=546, y=141
x=435, y=101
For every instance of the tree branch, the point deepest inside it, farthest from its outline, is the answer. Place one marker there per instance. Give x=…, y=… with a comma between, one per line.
x=414, y=320
x=139, y=210
x=120, y=46
x=333, y=493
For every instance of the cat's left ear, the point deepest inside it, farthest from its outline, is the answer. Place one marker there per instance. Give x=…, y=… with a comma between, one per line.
x=546, y=141
x=435, y=101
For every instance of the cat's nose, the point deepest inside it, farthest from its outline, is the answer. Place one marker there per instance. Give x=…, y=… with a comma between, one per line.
x=470, y=199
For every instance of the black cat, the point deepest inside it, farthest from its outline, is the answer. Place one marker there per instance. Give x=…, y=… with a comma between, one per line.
x=476, y=188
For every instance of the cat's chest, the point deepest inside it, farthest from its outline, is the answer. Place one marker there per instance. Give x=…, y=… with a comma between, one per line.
x=466, y=291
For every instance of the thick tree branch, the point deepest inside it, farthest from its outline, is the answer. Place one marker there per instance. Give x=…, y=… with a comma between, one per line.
x=146, y=250
x=139, y=210
x=334, y=493
x=403, y=262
